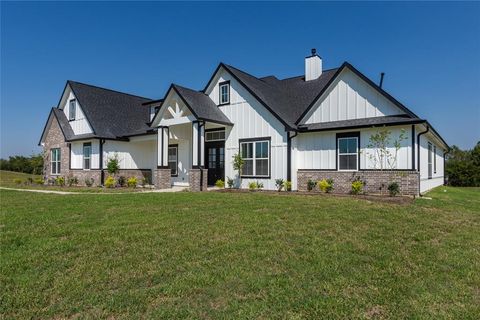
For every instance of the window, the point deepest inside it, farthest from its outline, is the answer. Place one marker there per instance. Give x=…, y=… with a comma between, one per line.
x=256, y=155
x=224, y=89
x=173, y=159
x=434, y=159
x=72, y=110
x=87, y=155
x=430, y=158
x=348, y=153
x=217, y=135
x=56, y=161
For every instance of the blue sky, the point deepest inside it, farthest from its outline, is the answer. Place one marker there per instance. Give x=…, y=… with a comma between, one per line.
x=429, y=51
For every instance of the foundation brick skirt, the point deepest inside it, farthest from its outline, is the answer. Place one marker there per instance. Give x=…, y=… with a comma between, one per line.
x=194, y=180
x=376, y=181
x=163, y=178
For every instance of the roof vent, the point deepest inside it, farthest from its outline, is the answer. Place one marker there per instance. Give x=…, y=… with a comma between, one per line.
x=313, y=66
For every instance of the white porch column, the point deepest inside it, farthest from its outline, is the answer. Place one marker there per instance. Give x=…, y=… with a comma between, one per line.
x=198, y=144
x=162, y=147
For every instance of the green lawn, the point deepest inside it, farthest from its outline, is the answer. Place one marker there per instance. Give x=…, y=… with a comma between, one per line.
x=239, y=256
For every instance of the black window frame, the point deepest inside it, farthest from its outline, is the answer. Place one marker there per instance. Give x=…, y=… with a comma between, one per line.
x=220, y=85
x=173, y=146
x=430, y=157
x=207, y=131
x=345, y=135
x=255, y=140
x=87, y=144
x=58, y=162
x=434, y=159
x=70, y=118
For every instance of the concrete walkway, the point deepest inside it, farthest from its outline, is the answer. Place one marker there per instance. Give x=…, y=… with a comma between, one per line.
x=173, y=189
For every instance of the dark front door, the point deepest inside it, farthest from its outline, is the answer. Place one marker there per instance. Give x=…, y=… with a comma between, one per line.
x=215, y=161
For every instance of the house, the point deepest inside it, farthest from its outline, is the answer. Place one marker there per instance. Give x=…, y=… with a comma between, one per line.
x=310, y=127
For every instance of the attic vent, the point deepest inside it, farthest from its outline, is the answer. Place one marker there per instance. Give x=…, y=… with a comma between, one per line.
x=313, y=66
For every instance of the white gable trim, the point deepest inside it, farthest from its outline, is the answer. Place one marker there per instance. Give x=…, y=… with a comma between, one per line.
x=176, y=107
x=80, y=125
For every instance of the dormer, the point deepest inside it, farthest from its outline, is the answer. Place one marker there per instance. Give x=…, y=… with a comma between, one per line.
x=73, y=111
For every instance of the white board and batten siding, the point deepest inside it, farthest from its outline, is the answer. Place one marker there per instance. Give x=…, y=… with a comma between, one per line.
x=350, y=97
x=437, y=178
x=80, y=125
x=136, y=154
x=77, y=154
x=251, y=120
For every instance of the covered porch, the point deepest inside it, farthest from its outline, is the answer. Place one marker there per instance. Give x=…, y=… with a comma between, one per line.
x=191, y=134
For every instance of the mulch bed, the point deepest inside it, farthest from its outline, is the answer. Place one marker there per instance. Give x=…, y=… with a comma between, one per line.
x=403, y=200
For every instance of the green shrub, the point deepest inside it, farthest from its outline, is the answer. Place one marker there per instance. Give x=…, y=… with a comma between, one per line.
x=60, y=181
x=279, y=184
x=287, y=185
x=357, y=186
x=122, y=181
x=39, y=181
x=72, y=181
x=17, y=181
x=325, y=185
x=29, y=180
x=393, y=188
x=110, y=182
x=230, y=182
x=252, y=186
x=145, y=181
x=132, y=182
x=310, y=185
x=220, y=184
x=113, y=165
x=259, y=185
x=89, y=182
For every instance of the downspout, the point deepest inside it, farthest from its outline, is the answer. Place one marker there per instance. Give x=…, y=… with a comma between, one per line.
x=444, y=175
x=100, y=164
x=200, y=125
x=289, y=155
x=418, y=154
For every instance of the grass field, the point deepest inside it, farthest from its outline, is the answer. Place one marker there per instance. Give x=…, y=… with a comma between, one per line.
x=239, y=256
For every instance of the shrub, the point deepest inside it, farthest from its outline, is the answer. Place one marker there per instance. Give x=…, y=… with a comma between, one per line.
x=145, y=181
x=325, y=185
x=310, y=185
x=60, y=181
x=110, y=182
x=18, y=180
x=357, y=186
x=89, y=182
x=132, y=182
x=259, y=185
x=230, y=182
x=252, y=186
x=287, y=185
x=72, y=181
x=279, y=184
x=113, y=165
x=393, y=188
x=220, y=184
x=39, y=181
x=29, y=180
x=122, y=181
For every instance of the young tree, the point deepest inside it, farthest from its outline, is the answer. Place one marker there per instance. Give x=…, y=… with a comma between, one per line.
x=113, y=165
x=382, y=157
x=238, y=163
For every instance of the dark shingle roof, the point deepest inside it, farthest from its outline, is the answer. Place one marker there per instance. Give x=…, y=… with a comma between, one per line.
x=360, y=123
x=202, y=107
x=111, y=114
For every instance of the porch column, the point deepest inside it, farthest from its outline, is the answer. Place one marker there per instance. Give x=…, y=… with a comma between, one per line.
x=162, y=176
x=198, y=174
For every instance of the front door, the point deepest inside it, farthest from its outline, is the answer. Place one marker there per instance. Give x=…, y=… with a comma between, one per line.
x=215, y=161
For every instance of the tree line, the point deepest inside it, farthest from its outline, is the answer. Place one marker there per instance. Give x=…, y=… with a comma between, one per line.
x=32, y=164
x=462, y=167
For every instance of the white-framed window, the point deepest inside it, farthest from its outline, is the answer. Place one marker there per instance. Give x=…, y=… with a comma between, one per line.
x=347, y=153
x=173, y=159
x=87, y=155
x=256, y=156
x=72, y=110
x=224, y=91
x=215, y=135
x=56, y=160
x=430, y=160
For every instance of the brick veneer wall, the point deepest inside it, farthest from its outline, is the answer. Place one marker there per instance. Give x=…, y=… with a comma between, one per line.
x=194, y=179
x=162, y=178
x=55, y=139
x=376, y=182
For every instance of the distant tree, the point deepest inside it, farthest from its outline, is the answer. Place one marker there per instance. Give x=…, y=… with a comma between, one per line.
x=462, y=167
x=32, y=164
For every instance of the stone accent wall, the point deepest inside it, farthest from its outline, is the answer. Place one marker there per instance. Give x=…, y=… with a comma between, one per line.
x=55, y=139
x=139, y=174
x=82, y=175
x=194, y=179
x=376, y=182
x=162, y=178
